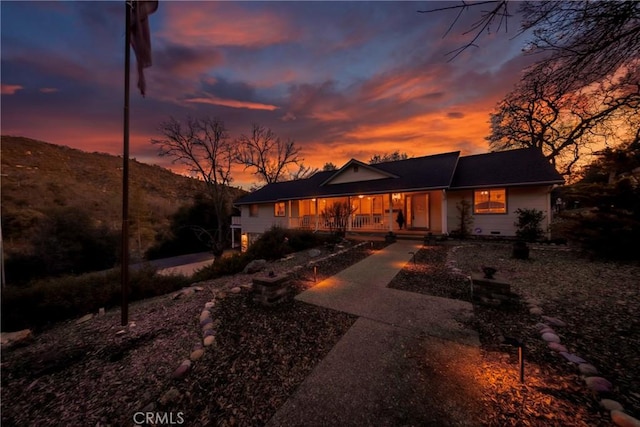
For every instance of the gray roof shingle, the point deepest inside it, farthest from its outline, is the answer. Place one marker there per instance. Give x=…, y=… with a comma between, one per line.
x=441, y=171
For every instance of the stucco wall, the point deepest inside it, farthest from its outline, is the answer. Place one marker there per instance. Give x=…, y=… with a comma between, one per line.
x=363, y=174
x=501, y=224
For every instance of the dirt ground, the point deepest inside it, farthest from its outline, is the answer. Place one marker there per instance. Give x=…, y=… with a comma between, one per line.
x=88, y=374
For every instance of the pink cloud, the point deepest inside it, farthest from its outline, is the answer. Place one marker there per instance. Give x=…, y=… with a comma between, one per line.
x=48, y=90
x=224, y=24
x=10, y=89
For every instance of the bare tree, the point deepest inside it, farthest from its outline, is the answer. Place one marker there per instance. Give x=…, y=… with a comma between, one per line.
x=584, y=89
x=388, y=157
x=203, y=146
x=303, y=172
x=566, y=125
x=265, y=153
x=329, y=166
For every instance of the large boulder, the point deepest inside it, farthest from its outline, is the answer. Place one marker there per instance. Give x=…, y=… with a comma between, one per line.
x=9, y=339
x=255, y=266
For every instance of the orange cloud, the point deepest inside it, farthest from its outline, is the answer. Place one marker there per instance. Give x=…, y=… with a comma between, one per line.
x=213, y=100
x=10, y=89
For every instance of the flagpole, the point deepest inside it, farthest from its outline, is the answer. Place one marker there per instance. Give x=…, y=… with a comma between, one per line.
x=124, y=274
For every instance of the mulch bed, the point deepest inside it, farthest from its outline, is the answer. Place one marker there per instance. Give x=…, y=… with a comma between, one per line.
x=85, y=374
x=599, y=301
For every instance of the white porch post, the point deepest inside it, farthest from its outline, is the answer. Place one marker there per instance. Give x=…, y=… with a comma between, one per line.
x=391, y=212
x=289, y=226
x=233, y=236
x=444, y=212
x=317, y=218
x=349, y=217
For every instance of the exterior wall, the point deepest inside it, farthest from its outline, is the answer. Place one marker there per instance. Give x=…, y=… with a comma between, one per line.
x=264, y=220
x=435, y=212
x=501, y=224
x=349, y=175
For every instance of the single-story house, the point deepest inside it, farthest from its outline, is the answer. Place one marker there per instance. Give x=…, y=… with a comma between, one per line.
x=427, y=190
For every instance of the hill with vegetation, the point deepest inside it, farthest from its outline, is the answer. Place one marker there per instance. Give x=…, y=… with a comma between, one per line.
x=48, y=189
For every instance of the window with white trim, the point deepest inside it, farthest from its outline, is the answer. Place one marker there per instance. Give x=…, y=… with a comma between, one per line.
x=279, y=209
x=490, y=201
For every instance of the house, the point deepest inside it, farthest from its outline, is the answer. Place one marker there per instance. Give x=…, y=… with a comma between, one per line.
x=427, y=190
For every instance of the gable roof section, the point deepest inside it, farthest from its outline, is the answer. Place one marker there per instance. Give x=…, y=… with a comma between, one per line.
x=419, y=173
x=375, y=172
x=524, y=166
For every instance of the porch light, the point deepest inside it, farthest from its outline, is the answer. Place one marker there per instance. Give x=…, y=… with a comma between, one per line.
x=360, y=197
x=396, y=196
x=313, y=200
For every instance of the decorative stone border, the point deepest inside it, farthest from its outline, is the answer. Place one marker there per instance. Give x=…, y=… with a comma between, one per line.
x=208, y=323
x=598, y=385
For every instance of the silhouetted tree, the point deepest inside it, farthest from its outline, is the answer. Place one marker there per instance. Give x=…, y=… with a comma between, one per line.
x=203, y=146
x=265, y=153
x=388, y=157
x=329, y=166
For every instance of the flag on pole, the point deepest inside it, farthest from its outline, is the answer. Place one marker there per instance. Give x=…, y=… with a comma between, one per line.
x=141, y=37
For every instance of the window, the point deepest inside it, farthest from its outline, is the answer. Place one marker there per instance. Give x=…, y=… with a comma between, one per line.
x=278, y=209
x=253, y=210
x=493, y=201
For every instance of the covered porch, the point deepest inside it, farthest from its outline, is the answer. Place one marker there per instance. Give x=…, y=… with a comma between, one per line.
x=395, y=212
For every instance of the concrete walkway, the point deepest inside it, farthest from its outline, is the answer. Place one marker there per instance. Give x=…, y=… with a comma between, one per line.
x=375, y=375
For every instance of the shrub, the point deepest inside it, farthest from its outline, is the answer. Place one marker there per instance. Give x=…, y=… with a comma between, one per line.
x=465, y=220
x=47, y=301
x=224, y=266
x=529, y=224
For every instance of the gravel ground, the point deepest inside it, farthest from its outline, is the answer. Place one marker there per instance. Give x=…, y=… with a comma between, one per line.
x=86, y=374
x=599, y=302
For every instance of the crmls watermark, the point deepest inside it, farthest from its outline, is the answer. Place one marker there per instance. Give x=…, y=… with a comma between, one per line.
x=159, y=418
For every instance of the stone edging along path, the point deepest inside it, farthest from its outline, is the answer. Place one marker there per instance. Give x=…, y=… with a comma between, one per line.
x=208, y=324
x=597, y=384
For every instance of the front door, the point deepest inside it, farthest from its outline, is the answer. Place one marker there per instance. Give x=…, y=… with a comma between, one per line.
x=420, y=211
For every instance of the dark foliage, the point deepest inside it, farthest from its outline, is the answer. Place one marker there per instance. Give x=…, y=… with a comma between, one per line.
x=529, y=224
x=192, y=230
x=48, y=301
x=67, y=241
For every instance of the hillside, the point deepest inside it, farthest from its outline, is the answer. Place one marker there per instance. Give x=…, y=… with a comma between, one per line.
x=38, y=178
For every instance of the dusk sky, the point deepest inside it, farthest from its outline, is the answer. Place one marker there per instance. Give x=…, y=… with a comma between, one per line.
x=343, y=79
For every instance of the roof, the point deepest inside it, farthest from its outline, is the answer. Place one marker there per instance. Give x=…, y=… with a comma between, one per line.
x=440, y=171
x=526, y=166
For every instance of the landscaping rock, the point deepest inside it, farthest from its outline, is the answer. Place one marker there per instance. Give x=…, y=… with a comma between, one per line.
x=554, y=321
x=535, y=310
x=541, y=326
x=255, y=266
x=209, y=305
x=8, y=339
x=183, y=293
x=205, y=315
x=209, y=332
x=314, y=253
x=549, y=337
x=588, y=369
x=182, y=370
x=171, y=396
x=205, y=322
x=598, y=384
x=572, y=358
x=196, y=354
x=84, y=318
x=547, y=330
x=209, y=340
x=207, y=326
x=557, y=347
x=623, y=420
x=235, y=290
x=611, y=405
